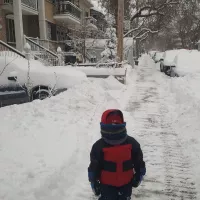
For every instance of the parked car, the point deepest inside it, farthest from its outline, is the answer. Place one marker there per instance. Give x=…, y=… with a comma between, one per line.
x=44, y=81
x=158, y=57
x=167, y=61
x=186, y=62
x=70, y=58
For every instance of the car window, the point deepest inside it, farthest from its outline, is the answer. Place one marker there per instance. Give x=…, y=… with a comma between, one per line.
x=6, y=68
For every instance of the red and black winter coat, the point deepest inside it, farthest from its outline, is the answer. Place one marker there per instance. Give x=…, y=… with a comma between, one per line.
x=116, y=165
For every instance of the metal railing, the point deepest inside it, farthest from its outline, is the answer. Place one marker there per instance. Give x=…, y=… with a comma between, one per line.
x=41, y=53
x=33, y=4
x=7, y=50
x=66, y=7
x=49, y=44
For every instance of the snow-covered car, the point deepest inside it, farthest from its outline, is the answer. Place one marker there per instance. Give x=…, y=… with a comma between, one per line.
x=158, y=57
x=42, y=81
x=186, y=62
x=167, y=61
x=152, y=53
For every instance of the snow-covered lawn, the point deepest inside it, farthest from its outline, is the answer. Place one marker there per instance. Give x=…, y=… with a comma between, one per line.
x=45, y=145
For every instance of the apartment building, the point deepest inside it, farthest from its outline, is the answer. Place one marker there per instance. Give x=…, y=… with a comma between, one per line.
x=48, y=20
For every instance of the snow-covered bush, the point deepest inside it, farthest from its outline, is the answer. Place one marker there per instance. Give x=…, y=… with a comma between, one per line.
x=110, y=52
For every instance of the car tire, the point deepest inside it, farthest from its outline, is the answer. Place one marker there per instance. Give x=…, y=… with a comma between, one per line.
x=41, y=94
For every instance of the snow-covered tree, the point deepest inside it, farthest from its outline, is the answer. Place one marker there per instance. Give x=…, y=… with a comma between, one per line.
x=110, y=52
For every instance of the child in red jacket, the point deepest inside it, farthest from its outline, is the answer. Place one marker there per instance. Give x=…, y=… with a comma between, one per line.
x=116, y=160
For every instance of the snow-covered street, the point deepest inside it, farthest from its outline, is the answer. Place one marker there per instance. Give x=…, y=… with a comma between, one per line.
x=45, y=145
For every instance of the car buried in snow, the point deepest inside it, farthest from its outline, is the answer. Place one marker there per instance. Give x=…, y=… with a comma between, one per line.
x=167, y=62
x=152, y=53
x=18, y=84
x=185, y=63
x=158, y=57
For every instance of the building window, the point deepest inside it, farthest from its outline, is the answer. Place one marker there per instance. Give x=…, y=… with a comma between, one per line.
x=60, y=35
x=48, y=30
x=10, y=28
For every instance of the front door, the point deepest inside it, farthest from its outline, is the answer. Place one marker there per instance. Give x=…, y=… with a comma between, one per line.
x=10, y=29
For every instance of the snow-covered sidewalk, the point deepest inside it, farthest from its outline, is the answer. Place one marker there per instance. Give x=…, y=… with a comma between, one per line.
x=45, y=145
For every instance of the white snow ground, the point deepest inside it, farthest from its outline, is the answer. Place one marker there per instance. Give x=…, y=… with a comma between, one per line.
x=45, y=145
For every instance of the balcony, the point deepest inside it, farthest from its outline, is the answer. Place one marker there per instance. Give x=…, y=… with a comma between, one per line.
x=68, y=13
x=29, y=7
x=91, y=23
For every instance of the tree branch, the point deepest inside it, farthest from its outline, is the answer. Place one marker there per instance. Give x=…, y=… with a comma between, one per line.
x=144, y=38
x=150, y=10
x=135, y=29
x=147, y=31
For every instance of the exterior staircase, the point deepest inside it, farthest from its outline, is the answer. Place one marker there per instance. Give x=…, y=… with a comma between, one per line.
x=44, y=55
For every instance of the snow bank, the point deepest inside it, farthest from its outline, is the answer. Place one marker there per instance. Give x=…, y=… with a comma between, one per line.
x=187, y=93
x=183, y=98
x=41, y=141
x=92, y=71
x=109, y=83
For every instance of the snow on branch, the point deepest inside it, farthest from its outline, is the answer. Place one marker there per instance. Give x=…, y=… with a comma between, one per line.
x=145, y=37
x=150, y=10
x=135, y=29
x=143, y=33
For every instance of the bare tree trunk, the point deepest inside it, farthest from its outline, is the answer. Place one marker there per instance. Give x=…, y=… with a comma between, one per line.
x=137, y=24
x=116, y=19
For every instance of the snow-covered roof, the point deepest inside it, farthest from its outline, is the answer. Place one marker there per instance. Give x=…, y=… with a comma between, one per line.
x=97, y=7
x=89, y=2
x=98, y=10
x=170, y=55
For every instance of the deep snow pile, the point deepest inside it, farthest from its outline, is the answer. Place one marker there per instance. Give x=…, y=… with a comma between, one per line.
x=45, y=145
x=41, y=141
x=186, y=92
x=182, y=97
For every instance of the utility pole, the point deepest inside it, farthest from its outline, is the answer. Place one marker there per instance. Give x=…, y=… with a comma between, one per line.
x=120, y=28
x=137, y=24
